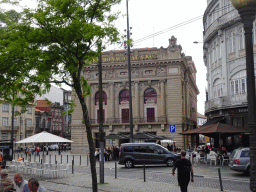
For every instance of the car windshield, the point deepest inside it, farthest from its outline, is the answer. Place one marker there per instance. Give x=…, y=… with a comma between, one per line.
x=233, y=153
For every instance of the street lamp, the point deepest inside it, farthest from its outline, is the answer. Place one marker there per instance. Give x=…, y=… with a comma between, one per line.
x=129, y=75
x=247, y=11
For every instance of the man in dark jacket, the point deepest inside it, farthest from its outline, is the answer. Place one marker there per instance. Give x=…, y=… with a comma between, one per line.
x=184, y=170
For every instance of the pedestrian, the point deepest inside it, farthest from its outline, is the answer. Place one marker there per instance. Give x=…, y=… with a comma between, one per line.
x=37, y=150
x=21, y=185
x=185, y=168
x=34, y=186
x=6, y=181
x=1, y=160
x=59, y=150
x=47, y=149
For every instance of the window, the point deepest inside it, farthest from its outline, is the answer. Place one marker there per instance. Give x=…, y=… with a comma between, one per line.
x=124, y=96
x=150, y=95
x=127, y=149
x=15, y=122
x=5, y=107
x=155, y=149
x=217, y=88
x=125, y=115
x=245, y=154
x=123, y=73
x=29, y=109
x=28, y=122
x=231, y=42
x=104, y=98
x=5, y=121
x=238, y=86
x=140, y=149
x=149, y=71
x=4, y=136
x=241, y=39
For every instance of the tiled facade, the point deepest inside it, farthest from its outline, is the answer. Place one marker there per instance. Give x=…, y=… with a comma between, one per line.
x=164, y=92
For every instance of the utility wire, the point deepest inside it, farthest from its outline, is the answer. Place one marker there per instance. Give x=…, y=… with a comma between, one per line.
x=181, y=24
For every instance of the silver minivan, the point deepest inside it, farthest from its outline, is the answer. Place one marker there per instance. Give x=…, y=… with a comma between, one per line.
x=239, y=160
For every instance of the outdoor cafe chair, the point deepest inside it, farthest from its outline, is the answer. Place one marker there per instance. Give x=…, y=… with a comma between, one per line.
x=64, y=170
x=54, y=170
x=225, y=158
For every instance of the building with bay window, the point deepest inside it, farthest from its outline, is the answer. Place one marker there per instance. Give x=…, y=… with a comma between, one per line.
x=164, y=93
x=224, y=57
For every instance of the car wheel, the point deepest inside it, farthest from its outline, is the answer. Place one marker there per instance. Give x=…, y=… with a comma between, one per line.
x=128, y=163
x=170, y=162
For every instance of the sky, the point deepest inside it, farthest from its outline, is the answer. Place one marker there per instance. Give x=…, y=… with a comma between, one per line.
x=148, y=17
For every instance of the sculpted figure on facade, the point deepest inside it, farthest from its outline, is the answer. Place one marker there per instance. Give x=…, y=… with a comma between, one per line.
x=135, y=72
x=87, y=74
x=173, y=45
x=161, y=71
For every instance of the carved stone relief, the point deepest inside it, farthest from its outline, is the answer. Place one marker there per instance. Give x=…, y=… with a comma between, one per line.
x=161, y=71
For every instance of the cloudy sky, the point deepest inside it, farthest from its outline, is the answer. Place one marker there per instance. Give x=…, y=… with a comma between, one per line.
x=181, y=18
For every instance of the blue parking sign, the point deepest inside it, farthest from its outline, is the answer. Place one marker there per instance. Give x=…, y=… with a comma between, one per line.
x=172, y=128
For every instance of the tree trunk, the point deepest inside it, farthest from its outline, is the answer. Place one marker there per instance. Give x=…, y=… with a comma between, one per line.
x=77, y=87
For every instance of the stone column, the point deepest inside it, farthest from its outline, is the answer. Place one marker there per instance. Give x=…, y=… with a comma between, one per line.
x=112, y=100
x=162, y=98
x=137, y=100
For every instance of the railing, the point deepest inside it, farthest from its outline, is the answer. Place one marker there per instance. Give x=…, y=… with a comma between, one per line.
x=30, y=128
x=140, y=120
x=9, y=128
x=225, y=102
x=221, y=21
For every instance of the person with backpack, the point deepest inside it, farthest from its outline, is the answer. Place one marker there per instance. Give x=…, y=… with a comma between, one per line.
x=185, y=169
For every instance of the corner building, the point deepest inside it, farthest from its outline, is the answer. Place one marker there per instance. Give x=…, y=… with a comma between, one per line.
x=224, y=57
x=164, y=93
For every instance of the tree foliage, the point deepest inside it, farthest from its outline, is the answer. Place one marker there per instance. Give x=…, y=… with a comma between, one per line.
x=52, y=44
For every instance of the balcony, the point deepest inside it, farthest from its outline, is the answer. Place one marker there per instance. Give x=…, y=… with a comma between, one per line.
x=9, y=128
x=142, y=120
x=221, y=21
x=30, y=128
x=226, y=102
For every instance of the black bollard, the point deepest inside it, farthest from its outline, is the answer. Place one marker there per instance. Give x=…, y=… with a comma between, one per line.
x=14, y=156
x=221, y=187
x=61, y=159
x=50, y=158
x=55, y=157
x=144, y=172
x=80, y=159
x=34, y=158
x=67, y=159
x=72, y=166
x=39, y=158
x=115, y=170
x=18, y=156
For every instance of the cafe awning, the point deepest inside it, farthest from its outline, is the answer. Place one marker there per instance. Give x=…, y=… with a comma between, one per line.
x=217, y=128
x=148, y=136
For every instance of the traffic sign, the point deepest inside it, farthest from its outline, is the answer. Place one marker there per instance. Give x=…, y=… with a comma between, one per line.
x=172, y=128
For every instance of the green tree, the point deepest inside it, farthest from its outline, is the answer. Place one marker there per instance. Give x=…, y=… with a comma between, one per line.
x=52, y=44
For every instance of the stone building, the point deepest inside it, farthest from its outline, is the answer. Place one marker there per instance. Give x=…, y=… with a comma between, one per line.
x=164, y=93
x=224, y=57
x=23, y=124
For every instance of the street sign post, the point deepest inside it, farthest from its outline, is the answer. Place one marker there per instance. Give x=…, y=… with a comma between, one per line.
x=172, y=130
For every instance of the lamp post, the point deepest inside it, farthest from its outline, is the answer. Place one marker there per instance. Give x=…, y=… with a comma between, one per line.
x=247, y=11
x=129, y=75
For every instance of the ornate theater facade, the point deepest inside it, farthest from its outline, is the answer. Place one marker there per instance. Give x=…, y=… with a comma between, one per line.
x=164, y=93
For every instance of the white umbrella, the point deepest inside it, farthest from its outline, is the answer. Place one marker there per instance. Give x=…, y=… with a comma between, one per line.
x=167, y=141
x=44, y=137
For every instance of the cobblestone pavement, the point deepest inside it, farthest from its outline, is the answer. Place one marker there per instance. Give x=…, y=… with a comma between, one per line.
x=158, y=178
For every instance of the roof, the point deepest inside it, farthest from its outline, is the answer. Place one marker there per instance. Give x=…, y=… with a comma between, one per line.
x=199, y=115
x=42, y=105
x=217, y=128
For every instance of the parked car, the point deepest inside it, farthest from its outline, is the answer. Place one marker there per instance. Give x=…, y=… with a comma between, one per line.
x=239, y=160
x=145, y=153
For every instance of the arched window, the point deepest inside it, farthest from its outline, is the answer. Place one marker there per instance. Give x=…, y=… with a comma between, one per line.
x=124, y=96
x=104, y=97
x=150, y=94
